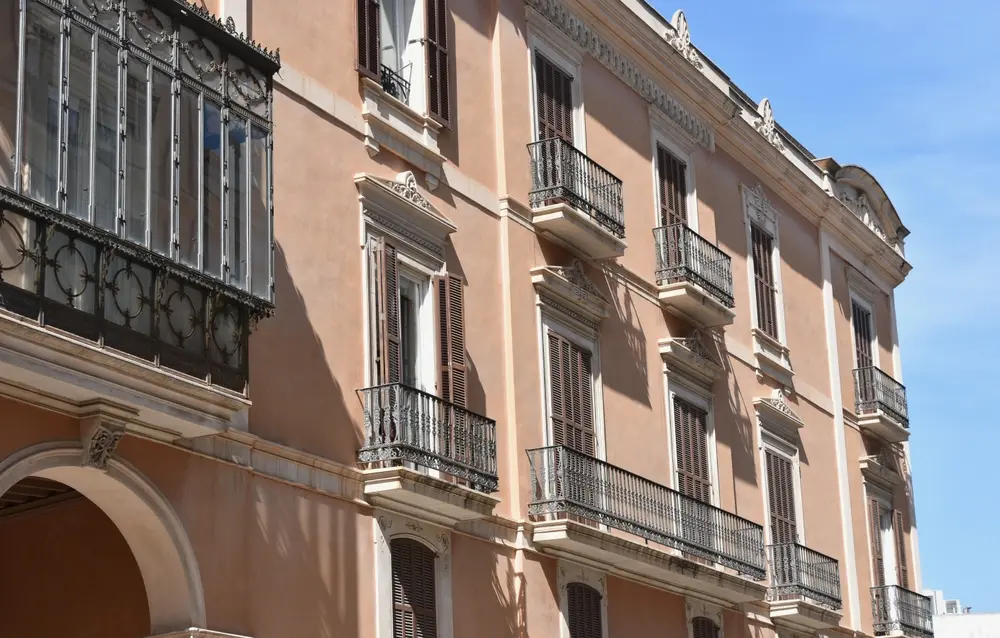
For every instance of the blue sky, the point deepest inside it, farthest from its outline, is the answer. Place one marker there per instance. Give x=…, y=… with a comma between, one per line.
x=908, y=89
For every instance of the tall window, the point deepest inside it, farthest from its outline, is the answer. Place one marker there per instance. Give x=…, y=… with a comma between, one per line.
x=414, y=604
x=781, y=497
x=703, y=627
x=672, y=187
x=765, y=290
x=554, y=95
x=691, y=439
x=584, y=605
x=571, y=398
x=863, y=335
x=889, y=564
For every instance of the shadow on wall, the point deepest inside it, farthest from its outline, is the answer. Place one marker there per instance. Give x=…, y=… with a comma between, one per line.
x=296, y=400
x=739, y=411
x=622, y=333
x=475, y=394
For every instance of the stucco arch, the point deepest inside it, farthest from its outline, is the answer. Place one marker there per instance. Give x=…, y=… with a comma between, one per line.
x=141, y=513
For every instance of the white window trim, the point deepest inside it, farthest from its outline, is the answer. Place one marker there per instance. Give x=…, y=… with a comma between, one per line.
x=867, y=304
x=573, y=573
x=770, y=440
x=694, y=608
x=388, y=526
x=427, y=336
x=675, y=386
x=567, y=56
x=888, y=549
x=412, y=51
x=660, y=137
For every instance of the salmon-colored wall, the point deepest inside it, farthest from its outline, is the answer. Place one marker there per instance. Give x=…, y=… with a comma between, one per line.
x=67, y=571
x=638, y=610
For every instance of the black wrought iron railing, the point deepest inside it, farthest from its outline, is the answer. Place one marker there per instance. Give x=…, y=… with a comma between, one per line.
x=799, y=572
x=875, y=390
x=405, y=425
x=395, y=84
x=898, y=609
x=567, y=483
x=684, y=255
x=559, y=171
x=66, y=274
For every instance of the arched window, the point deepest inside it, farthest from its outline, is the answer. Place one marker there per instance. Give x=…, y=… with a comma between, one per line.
x=584, y=611
x=704, y=627
x=414, y=605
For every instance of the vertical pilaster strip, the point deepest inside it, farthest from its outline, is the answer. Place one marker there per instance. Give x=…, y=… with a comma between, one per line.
x=839, y=436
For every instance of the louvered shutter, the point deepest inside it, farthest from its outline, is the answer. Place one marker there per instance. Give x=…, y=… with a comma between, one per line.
x=369, y=47
x=571, y=404
x=766, y=293
x=690, y=425
x=451, y=339
x=878, y=563
x=862, y=335
x=781, y=498
x=704, y=627
x=414, y=605
x=554, y=107
x=438, y=73
x=584, y=606
x=384, y=287
x=673, y=188
x=902, y=573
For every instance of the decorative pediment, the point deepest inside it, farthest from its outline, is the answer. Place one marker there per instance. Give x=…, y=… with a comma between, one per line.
x=776, y=411
x=691, y=357
x=766, y=125
x=861, y=194
x=882, y=468
x=399, y=207
x=857, y=202
x=680, y=39
x=568, y=291
x=758, y=206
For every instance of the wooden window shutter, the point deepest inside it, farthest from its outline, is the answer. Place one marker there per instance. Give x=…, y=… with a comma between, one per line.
x=902, y=573
x=451, y=339
x=862, y=335
x=584, y=607
x=384, y=285
x=781, y=498
x=571, y=394
x=704, y=627
x=766, y=293
x=691, y=436
x=554, y=107
x=369, y=47
x=878, y=562
x=438, y=72
x=414, y=605
x=673, y=188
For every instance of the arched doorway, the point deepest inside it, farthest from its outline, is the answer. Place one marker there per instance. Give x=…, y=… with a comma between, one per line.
x=107, y=547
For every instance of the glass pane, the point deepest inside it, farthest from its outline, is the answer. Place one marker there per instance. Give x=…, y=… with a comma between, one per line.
x=212, y=189
x=160, y=168
x=79, y=118
x=190, y=169
x=260, y=215
x=106, y=134
x=17, y=239
x=237, y=228
x=9, y=27
x=136, y=148
x=387, y=34
x=40, y=154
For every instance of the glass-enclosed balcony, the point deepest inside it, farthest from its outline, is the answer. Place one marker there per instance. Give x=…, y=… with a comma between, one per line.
x=137, y=209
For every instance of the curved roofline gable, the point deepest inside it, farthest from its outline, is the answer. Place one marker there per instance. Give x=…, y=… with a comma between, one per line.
x=859, y=178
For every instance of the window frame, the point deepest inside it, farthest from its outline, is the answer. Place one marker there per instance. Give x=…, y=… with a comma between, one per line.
x=388, y=526
x=414, y=35
x=889, y=556
x=770, y=441
x=573, y=573
x=660, y=137
x=675, y=387
x=765, y=217
x=567, y=57
x=422, y=277
x=865, y=302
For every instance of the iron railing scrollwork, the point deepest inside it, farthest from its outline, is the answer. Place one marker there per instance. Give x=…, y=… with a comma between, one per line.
x=684, y=255
x=567, y=483
x=875, y=390
x=394, y=84
x=898, y=609
x=561, y=172
x=403, y=424
x=799, y=572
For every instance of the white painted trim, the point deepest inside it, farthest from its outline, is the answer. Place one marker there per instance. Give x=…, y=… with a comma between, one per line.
x=771, y=439
x=839, y=434
x=692, y=392
x=694, y=608
x=426, y=330
x=574, y=573
x=661, y=137
x=869, y=305
x=571, y=62
x=766, y=218
x=387, y=526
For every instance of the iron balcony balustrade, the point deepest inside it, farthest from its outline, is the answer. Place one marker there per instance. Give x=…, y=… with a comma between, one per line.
x=406, y=425
x=565, y=482
x=897, y=609
x=394, y=84
x=137, y=209
x=684, y=255
x=561, y=172
x=799, y=572
x=875, y=390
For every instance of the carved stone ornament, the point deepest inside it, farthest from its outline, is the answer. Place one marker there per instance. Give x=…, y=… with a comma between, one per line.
x=681, y=39
x=405, y=185
x=759, y=206
x=100, y=439
x=575, y=275
x=776, y=410
x=858, y=204
x=622, y=66
x=766, y=125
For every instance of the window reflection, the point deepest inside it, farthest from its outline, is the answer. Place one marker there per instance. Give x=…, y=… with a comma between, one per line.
x=136, y=127
x=212, y=189
x=9, y=52
x=79, y=122
x=190, y=169
x=260, y=215
x=237, y=229
x=160, y=196
x=40, y=145
x=105, y=132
